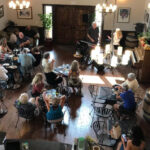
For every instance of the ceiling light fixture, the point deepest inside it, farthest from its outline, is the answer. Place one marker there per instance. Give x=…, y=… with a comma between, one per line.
x=19, y=4
x=106, y=8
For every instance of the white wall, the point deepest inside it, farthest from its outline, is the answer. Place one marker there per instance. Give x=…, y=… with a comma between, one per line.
x=137, y=12
x=3, y=20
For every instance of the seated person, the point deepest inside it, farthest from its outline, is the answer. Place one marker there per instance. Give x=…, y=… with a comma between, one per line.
x=31, y=34
x=74, y=80
x=23, y=103
x=37, y=85
x=8, y=77
x=127, y=97
x=37, y=55
x=23, y=41
x=48, y=65
x=26, y=61
x=4, y=47
x=55, y=108
x=132, y=82
x=135, y=143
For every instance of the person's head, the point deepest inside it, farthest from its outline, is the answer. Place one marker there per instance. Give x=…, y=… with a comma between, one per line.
x=32, y=100
x=28, y=27
x=75, y=65
x=37, y=79
x=118, y=32
x=3, y=41
x=24, y=51
x=94, y=25
x=137, y=136
x=35, y=50
x=55, y=101
x=23, y=99
x=131, y=76
x=16, y=31
x=125, y=87
x=46, y=55
x=21, y=35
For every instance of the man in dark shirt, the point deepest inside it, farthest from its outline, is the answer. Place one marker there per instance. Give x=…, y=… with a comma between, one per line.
x=30, y=32
x=22, y=40
x=93, y=34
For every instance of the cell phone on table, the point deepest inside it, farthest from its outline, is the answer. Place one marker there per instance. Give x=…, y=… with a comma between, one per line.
x=25, y=146
x=124, y=137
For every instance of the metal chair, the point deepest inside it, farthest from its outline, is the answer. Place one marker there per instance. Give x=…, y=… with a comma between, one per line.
x=24, y=113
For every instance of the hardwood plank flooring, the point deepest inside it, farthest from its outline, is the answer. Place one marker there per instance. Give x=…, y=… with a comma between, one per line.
x=77, y=118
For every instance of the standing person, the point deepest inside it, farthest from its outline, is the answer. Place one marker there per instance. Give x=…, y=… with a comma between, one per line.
x=26, y=61
x=37, y=85
x=74, y=80
x=48, y=65
x=117, y=36
x=93, y=34
x=135, y=143
x=23, y=41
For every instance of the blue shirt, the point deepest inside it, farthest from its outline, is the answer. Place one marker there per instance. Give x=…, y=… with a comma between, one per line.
x=26, y=59
x=20, y=41
x=54, y=114
x=128, y=99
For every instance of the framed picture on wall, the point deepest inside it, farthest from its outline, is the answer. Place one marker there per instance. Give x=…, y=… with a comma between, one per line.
x=24, y=13
x=123, y=15
x=1, y=11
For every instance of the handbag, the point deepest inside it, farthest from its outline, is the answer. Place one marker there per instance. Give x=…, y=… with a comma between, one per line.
x=115, y=132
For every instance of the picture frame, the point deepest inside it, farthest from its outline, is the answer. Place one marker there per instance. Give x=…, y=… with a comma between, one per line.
x=1, y=11
x=123, y=15
x=24, y=13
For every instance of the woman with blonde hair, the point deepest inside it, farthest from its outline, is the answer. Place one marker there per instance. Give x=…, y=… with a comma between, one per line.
x=37, y=85
x=3, y=46
x=74, y=80
x=117, y=36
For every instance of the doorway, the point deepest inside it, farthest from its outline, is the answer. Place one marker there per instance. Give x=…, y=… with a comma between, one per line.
x=70, y=23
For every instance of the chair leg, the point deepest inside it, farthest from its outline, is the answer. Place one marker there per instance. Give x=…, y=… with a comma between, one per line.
x=17, y=121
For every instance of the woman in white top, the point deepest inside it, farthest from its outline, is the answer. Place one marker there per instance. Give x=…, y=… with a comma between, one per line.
x=132, y=82
x=117, y=36
x=3, y=73
x=51, y=77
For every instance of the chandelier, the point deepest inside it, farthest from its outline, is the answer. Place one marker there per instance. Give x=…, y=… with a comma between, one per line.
x=106, y=8
x=19, y=4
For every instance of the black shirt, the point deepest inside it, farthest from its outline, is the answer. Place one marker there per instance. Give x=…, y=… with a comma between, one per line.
x=30, y=33
x=94, y=34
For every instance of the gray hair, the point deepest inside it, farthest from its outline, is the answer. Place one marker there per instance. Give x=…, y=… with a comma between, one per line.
x=75, y=66
x=132, y=76
x=23, y=99
x=125, y=87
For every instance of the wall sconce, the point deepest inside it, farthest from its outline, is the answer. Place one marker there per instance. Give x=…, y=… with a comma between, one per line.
x=148, y=5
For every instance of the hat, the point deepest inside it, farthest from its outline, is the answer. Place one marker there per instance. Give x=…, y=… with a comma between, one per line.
x=117, y=29
x=55, y=101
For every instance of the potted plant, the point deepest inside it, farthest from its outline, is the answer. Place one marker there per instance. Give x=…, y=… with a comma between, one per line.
x=47, y=24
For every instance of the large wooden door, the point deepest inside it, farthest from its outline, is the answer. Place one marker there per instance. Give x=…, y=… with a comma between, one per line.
x=71, y=23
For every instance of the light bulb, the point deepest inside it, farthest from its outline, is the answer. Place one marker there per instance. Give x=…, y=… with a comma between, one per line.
x=114, y=8
x=10, y=4
x=17, y=2
x=107, y=9
x=149, y=5
x=104, y=5
x=21, y=6
x=24, y=2
x=111, y=6
x=27, y=4
x=14, y=6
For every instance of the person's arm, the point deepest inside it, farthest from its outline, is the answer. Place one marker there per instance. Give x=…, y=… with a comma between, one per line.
x=128, y=146
x=62, y=101
x=46, y=101
x=8, y=49
x=91, y=39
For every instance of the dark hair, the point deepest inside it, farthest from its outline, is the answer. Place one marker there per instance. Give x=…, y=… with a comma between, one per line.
x=35, y=49
x=46, y=55
x=137, y=136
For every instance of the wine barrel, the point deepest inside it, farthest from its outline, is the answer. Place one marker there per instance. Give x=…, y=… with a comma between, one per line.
x=146, y=106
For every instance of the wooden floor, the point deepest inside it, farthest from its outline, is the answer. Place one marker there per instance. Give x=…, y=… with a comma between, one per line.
x=77, y=119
